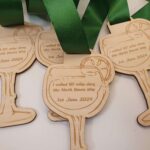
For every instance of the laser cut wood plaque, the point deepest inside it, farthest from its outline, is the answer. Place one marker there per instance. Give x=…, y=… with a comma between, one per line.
x=129, y=49
x=77, y=92
x=17, y=53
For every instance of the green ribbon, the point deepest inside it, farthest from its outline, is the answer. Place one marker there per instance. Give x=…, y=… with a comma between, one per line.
x=118, y=11
x=97, y=12
x=68, y=26
x=36, y=7
x=66, y=21
x=11, y=12
x=93, y=19
x=144, y=12
x=116, y=16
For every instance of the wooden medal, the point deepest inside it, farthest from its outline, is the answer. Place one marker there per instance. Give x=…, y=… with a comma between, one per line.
x=128, y=47
x=77, y=92
x=49, y=52
x=17, y=53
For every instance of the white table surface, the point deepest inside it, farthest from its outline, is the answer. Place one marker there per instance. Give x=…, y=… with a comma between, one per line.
x=114, y=128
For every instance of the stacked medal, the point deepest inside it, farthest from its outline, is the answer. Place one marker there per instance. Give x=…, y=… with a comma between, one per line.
x=56, y=69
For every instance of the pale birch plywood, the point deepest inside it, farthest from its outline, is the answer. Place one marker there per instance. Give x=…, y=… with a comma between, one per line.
x=77, y=92
x=128, y=47
x=17, y=53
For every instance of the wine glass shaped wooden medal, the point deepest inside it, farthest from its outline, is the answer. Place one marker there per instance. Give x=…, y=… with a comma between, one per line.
x=49, y=52
x=17, y=53
x=77, y=91
x=128, y=47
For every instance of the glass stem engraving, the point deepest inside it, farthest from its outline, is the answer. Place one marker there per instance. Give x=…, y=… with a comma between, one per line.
x=77, y=125
x=8, y=93
x=144, y=81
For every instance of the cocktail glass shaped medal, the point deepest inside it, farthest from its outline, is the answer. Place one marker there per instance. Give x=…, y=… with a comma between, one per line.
x=130, y=52
x=17, y=53
x=78, y=92
x=49, y=52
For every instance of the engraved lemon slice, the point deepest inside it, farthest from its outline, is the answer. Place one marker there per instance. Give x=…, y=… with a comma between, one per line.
x=103, y=65
x=139, y=25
